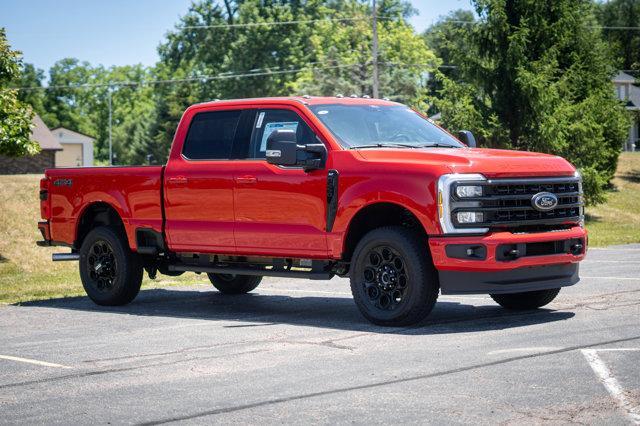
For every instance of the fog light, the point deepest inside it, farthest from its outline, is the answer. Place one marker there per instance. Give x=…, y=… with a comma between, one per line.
x=467, y=191
x=470, y=217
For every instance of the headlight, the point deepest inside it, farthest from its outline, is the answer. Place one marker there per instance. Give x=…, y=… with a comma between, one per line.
x=467, y=191
x=470, y=217
x=465, y=186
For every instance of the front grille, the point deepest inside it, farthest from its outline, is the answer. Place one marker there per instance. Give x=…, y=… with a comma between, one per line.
x=507, y=203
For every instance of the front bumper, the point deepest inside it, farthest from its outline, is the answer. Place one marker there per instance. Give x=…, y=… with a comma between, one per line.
x=503, y=262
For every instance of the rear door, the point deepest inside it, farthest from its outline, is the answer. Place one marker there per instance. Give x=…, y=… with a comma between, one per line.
x=280, y=211
x=199, y=184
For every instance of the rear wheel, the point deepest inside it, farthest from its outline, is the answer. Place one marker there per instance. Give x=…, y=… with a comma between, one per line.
x=111, y=274
x=234, y=284
x=393, y=280
x=526, y=300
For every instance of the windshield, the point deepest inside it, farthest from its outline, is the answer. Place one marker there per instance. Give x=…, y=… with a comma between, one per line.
x=368, y=126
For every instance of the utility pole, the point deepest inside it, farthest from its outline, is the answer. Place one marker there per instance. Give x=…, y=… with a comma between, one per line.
x=374, y=50
x=110, y=144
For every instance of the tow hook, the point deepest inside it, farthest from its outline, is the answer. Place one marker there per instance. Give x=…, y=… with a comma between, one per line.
x=576, y=249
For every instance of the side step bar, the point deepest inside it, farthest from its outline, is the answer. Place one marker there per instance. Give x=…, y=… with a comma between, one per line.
x=314, y=275
x=62, y=257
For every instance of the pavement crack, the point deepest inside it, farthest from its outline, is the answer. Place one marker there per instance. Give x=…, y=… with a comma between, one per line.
x=124, y=369
x=382, y=383
x=326, y=343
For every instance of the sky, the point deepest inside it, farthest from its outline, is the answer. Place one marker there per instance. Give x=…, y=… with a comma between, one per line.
x=119, y=32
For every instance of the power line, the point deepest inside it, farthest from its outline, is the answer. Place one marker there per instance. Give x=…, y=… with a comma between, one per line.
x=223, y=76
x=258, y=72
x=601, y=27
x=272, y=23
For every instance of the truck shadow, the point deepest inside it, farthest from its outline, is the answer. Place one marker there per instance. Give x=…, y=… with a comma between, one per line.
x=255, y=310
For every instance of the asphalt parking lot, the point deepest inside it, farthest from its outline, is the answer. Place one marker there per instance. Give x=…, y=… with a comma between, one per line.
x=299, y=352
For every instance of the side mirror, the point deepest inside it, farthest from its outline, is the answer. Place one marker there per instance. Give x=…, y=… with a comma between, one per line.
x=467, y=138
x=282, y=150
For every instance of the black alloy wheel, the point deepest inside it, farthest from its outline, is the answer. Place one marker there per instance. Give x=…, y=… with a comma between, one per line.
x=384, y=277
x=393, y=280
x=111, y=273
x=101, y=265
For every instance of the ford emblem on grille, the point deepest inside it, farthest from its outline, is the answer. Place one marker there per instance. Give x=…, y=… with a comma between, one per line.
x=544, y=201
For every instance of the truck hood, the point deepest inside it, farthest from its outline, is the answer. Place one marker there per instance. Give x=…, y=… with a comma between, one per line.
x=492, y=163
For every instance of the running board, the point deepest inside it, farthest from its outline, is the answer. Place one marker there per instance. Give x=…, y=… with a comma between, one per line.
x=313, y=275
x=60, y=257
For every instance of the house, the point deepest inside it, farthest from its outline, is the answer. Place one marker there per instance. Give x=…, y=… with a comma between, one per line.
x=628, y=92
x=77, y=148
x=45, y=159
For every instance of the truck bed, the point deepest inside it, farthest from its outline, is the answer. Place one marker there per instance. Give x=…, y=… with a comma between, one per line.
x=134, y=192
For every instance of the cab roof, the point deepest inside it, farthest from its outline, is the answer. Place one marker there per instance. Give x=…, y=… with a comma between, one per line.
x=304, y=100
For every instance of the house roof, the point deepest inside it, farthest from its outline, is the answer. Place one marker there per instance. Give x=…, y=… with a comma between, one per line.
x=74, y=132
x=622, y=77
x=41, y=134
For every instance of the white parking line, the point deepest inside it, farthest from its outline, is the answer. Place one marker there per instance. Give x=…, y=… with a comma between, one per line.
x=611, y=384
x=33, y=361
x=612, y=278
x=619, y=350
x=612, y=249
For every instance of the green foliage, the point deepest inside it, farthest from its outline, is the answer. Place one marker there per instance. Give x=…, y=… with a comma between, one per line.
x=345, y=54
x=15, y=115
x=445, y=38
x=83, y=107
x=317, y=58
x=624, y=44
x=537, y=77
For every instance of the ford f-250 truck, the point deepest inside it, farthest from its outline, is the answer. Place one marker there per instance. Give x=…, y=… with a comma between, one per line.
x=313, y=187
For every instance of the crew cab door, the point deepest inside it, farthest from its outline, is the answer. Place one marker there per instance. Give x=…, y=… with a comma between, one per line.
x=198, y=184
x=280, y=211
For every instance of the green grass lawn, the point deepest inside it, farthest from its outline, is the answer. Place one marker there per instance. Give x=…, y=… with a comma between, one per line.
x=26, y=270
x=27, y=273
x=618, y=220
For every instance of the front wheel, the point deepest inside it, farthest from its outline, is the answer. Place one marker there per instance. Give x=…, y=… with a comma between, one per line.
x=111, y=274
x=526, y=300
x=393, y=280
x=234, y=284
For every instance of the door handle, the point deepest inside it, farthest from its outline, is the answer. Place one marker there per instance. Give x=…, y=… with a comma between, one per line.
x=178, y=180
x=247, y=180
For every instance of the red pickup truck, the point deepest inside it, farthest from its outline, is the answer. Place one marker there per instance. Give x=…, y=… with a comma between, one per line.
x=313, y=187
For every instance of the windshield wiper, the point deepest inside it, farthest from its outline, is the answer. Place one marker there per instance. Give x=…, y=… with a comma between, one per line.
x=438, y=145
x=386, y=145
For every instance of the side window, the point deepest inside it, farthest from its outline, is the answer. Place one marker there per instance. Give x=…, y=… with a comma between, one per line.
x=274, y=119
x=211, y=135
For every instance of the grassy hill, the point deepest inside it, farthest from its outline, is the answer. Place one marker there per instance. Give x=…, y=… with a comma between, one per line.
x=26, y=270
x=27, y=273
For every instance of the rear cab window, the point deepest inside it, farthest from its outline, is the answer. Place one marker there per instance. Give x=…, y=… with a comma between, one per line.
x=211, y=135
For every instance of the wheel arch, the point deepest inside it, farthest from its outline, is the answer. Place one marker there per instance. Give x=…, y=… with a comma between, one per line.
x=376, y=215
x=98, y=213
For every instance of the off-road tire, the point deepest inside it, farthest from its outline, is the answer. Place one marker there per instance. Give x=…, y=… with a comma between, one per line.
x=111, y=273
x=409, y=291
x=234, y=284
x=526, y=300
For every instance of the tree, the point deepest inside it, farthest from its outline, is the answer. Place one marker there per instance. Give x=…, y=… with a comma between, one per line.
x=448, y=36
x=344, y=54
x=15, y=115
x=624, y=42
x=537, y=77
x=327, y=50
